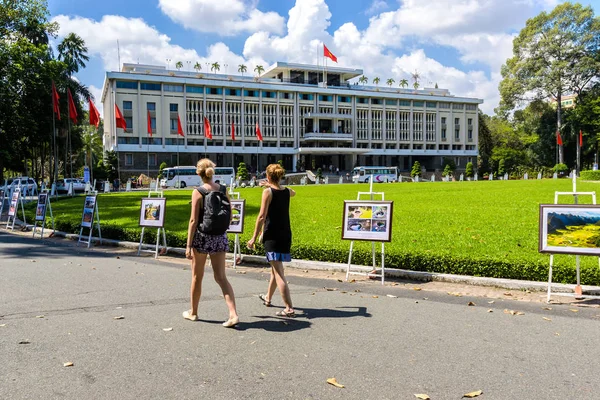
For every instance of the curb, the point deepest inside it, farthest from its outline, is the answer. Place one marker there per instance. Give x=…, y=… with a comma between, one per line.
x=420, y=276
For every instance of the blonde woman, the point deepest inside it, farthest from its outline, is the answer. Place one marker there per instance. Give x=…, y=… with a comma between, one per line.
x=201, y=245
x=274, y=216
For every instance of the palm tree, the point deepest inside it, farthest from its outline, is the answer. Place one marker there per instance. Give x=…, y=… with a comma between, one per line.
x=215, y=67
x=416, y=76
x=72, y=51
x=416, y=85
x=242, y=68
x=404, y=83
x=259, y=69
x=363, y=79
x=376, y=80
x=178, y=65
x=390, y=82
x=198, y=66
x=91, y=146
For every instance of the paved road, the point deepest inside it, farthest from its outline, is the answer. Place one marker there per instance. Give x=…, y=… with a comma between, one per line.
x=378, y=347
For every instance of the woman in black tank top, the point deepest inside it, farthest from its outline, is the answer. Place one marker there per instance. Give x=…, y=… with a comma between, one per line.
x=274, y=217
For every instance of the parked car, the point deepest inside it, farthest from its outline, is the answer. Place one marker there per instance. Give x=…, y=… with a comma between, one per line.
x=24, y=182
x=78, y=184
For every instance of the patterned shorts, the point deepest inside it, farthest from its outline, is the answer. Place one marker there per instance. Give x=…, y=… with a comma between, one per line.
x=205, y=243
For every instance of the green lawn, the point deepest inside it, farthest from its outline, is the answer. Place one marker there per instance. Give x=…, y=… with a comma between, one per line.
x=479, y=228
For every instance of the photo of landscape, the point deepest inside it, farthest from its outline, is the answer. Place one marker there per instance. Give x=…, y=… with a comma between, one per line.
x=570, y=229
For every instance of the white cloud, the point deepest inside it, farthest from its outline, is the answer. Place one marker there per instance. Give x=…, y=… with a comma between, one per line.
x=376, y=6
x=225, y=17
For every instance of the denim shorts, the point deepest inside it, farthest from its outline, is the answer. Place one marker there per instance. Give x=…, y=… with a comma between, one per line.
x=273, y=256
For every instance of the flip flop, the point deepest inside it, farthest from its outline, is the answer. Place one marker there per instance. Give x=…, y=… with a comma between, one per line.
x=264, y=300
x=283, y=313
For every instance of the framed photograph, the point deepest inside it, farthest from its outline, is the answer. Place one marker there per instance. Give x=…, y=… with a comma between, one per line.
x=238, y=208
x=89, y=206
x=367, y=220
x=570, y=229
x=42, y=204
x=152, y=212
x=14, y=201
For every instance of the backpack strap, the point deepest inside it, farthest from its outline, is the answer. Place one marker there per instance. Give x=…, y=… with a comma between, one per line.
x=203, y=192
x=223, y=189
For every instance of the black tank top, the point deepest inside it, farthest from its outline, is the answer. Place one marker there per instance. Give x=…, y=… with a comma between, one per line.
x=277, y=235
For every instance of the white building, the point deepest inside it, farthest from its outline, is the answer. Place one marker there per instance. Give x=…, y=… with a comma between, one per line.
x=304, y=123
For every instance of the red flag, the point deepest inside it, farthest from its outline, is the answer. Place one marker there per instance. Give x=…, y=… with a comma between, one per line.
x=207, y=130
x=149, y=124
x=328, y=54
x=94, y=115
x=179, y=127
x=55, y=99
x=580, y=139
x=120, y=120
x=72, y=109
x=258, y=134
x=232, y=131
x=558, y=139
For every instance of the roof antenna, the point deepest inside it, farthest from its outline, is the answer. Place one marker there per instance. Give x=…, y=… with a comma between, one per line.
x=119, y=55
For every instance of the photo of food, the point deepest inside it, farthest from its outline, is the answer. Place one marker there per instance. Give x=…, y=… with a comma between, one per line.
x=379, y=225
x=360, y=212
x=380, y=212
x=359, y=225
x=152, y=212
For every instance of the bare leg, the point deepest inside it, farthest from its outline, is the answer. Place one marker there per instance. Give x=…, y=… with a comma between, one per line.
x=218, y=263
x=198, y=262
x=272, y=286
x=277, y=269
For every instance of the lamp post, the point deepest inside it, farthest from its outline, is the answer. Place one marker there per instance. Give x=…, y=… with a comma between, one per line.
x=189, y=63
x=168, y=63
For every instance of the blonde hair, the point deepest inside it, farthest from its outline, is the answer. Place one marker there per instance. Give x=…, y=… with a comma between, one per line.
x=275, y=172
x=206, y=169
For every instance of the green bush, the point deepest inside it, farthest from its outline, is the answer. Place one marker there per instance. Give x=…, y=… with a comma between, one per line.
x=501, y=170
x=469, y=170
x=242, y=172
x=561, y=169
x=416, y=169
x=448, y=170
x=162, y=166
x=590, y=175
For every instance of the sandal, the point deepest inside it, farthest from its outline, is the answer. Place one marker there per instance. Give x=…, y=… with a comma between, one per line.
x=284, y=313
x=188, y=315
x=266, y=302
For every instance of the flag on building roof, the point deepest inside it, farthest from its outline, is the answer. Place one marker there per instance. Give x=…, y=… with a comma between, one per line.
x=258, y=134
x=207, y=129
x=558, y=139
x=328, y=54
x=94, y=114
x=149, y=118
x=72, y=108
x=179, y=127
x=232, y=131
x=119, y=117
x=55, y=99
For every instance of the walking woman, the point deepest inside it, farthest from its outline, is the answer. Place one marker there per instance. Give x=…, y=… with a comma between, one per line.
x=274, y=216
x=200, y=245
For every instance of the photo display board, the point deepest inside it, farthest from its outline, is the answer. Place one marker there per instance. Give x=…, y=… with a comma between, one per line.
x=12, y=210
x=238, y=212
x=87, y=218
x=367, y=220
x=42, y=205
x=152, y=212
x=569, y=229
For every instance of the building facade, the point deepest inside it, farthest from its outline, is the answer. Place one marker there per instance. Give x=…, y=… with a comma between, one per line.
x=308, y=118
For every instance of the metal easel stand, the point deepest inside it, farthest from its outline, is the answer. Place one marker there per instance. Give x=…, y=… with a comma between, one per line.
x=237, y=250
x=89, y=241
x=14, y=217
x=578, y=291
x=43, y=222
x=158, y=236
x=371, y=195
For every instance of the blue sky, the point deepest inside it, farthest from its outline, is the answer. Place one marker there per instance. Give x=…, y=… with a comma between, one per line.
x=458, y=44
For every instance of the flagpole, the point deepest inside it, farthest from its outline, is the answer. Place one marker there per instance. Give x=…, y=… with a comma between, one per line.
x=70, y=155
x=54, y=175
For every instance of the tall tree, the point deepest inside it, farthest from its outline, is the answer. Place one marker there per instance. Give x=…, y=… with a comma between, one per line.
x=73, y=52
x=486, y=145
x=556, y=53
x=215, y=67
x=242, y=69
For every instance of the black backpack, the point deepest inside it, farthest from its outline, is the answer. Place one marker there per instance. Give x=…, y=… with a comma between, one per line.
x=216, y=213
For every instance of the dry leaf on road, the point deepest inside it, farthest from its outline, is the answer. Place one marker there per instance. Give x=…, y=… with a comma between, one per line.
x=491, y=302
x=547, y=308
x=26, y=341
x=455, y=294
x=68, y=364
x=39, y=316
x=513, y=312
x=339, y=280
x=422, y=396
x=572, y=310
x=392, y=296
x=119, y=317
x=334, y=382
x=375, y=297
x=417, y=288
x=490, y=310
x=167, y=329
x=330, y=289
x=470, y=304
x=546, y=319
x=473, y=394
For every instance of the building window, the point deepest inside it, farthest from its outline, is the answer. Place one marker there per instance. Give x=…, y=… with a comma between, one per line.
x=418, y=103
x=375, y=101
x=173, y=107
x=471, y=107
x=445, y=105
x=268, y=95
x=128, y=140
x=285, y=95
x=129, y=122
x=153, y=124
x=362, y=100
x=232, y=92
x=389, y=102
x=127, y=85
x=213, y=90
x=173, y=88
x=250, y=93
x=150, y=86
x=306, y=96
x=128, y=159
x=431, y=104
x=456, y=106
x=194, y=89
x=324, y=97
x=344, y=99
x=152, y=159
x=149, y=140
x=174, y=124
x=127, y=105
x=405, y=103
x=151, y=106
x=173, y=142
